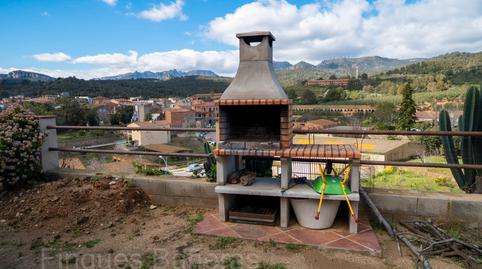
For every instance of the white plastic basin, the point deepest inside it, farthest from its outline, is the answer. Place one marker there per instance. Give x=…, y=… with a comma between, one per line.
x=305, y=211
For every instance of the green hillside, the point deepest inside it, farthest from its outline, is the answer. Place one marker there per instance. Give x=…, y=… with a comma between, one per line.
x=458, y=67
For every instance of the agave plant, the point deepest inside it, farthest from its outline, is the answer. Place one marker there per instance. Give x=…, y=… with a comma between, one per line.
x=471, y=147
x=210, y=164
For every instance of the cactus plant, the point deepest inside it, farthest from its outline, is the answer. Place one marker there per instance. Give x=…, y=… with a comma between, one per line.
x=471, y=147
x=210, y=164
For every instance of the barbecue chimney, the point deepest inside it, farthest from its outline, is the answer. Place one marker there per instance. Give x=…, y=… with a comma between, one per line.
x=254, y=111
x=255, y=78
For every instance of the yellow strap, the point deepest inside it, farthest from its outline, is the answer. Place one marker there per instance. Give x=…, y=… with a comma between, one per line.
x=322, y=173
x=342, y=183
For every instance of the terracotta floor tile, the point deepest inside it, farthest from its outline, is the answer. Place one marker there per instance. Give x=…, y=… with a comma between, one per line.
x=280, y=238
x=209, y=223
x=344, y=231
x=227, y=232
x=347, y=244
x=336, y=237
x=250, y=231
x=367, y=239
x=313, y=237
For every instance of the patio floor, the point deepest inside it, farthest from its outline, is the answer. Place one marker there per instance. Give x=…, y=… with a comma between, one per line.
x=336, y=237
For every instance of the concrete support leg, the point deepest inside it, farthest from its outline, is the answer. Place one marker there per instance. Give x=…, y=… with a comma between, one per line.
x=285, y=173
x=225, y=203
x=353, y=225
x=224, y=166
x=355, y=176
x=49, y=159
x=284, y=212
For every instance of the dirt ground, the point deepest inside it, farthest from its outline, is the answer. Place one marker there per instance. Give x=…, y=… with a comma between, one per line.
x=107, y=223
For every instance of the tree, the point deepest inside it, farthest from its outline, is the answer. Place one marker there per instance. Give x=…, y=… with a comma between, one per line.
x=386, y=86
x=384, y=116
x=292, y=94
x=432, y=144
x=122, y=116
x=332, y=76
x=308, y=97
x=91, y=117
x=70, y=112
x=334, y=95
x=354, y=85
x=408, y=109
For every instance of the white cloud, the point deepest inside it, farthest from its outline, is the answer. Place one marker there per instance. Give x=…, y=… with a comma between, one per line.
x=163, y=12
x=51, y=57
x=110, y=2
x=314, y=32
x=109, y=59
x=45, y=14
x=223, y=62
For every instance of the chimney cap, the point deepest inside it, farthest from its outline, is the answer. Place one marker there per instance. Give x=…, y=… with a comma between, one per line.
x=256, y=34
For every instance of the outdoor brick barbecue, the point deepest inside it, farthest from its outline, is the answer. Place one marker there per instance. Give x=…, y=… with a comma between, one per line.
x=255, y=122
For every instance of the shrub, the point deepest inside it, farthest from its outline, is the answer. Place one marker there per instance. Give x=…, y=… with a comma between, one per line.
x=149, y=171
x=20, y=143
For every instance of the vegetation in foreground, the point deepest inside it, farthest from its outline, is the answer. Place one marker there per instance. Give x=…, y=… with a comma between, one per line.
x=431, y=180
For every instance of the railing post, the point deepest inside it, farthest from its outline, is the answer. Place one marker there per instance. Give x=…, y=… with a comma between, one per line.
x=49, y=159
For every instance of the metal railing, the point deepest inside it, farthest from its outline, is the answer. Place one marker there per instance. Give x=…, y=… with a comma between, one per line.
x=296, y=131
x=119, y=128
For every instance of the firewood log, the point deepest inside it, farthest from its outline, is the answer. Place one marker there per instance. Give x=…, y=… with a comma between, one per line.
x=248, y=178
x=233, y=177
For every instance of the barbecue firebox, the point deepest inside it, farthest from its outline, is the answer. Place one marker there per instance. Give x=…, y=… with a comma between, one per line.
x=255, y=122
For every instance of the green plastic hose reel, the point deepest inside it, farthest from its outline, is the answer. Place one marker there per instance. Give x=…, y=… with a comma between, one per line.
x=333, y=186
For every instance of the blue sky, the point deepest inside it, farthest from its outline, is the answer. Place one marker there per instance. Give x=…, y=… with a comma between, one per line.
x=93, y=38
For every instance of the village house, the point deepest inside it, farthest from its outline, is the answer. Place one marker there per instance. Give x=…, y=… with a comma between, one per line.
x=143, y=138
x=429, y=116
x=180, y=117
x=142, y=111
x=206, y=112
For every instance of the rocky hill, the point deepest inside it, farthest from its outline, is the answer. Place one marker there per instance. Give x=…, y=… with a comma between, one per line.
x=26, y=75
x=164, y=75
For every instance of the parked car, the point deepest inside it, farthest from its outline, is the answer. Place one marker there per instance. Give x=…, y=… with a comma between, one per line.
x=194, y=167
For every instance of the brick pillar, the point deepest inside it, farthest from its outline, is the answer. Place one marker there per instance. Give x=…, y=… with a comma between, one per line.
x=49, y=159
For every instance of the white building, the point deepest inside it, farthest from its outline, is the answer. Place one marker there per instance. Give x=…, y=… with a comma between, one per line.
x=143, y=138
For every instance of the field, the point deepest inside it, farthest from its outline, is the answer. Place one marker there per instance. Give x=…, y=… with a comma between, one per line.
x=415, y=178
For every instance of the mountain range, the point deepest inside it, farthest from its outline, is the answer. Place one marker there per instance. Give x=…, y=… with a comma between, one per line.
x=26, y=75
x=288, y=73
x=368, y=64
x=164, y=75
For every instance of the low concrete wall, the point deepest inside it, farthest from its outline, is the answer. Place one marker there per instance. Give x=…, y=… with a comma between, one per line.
x=395, y=205
x=457, y=207
x=165, y=190
x=169, y=190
